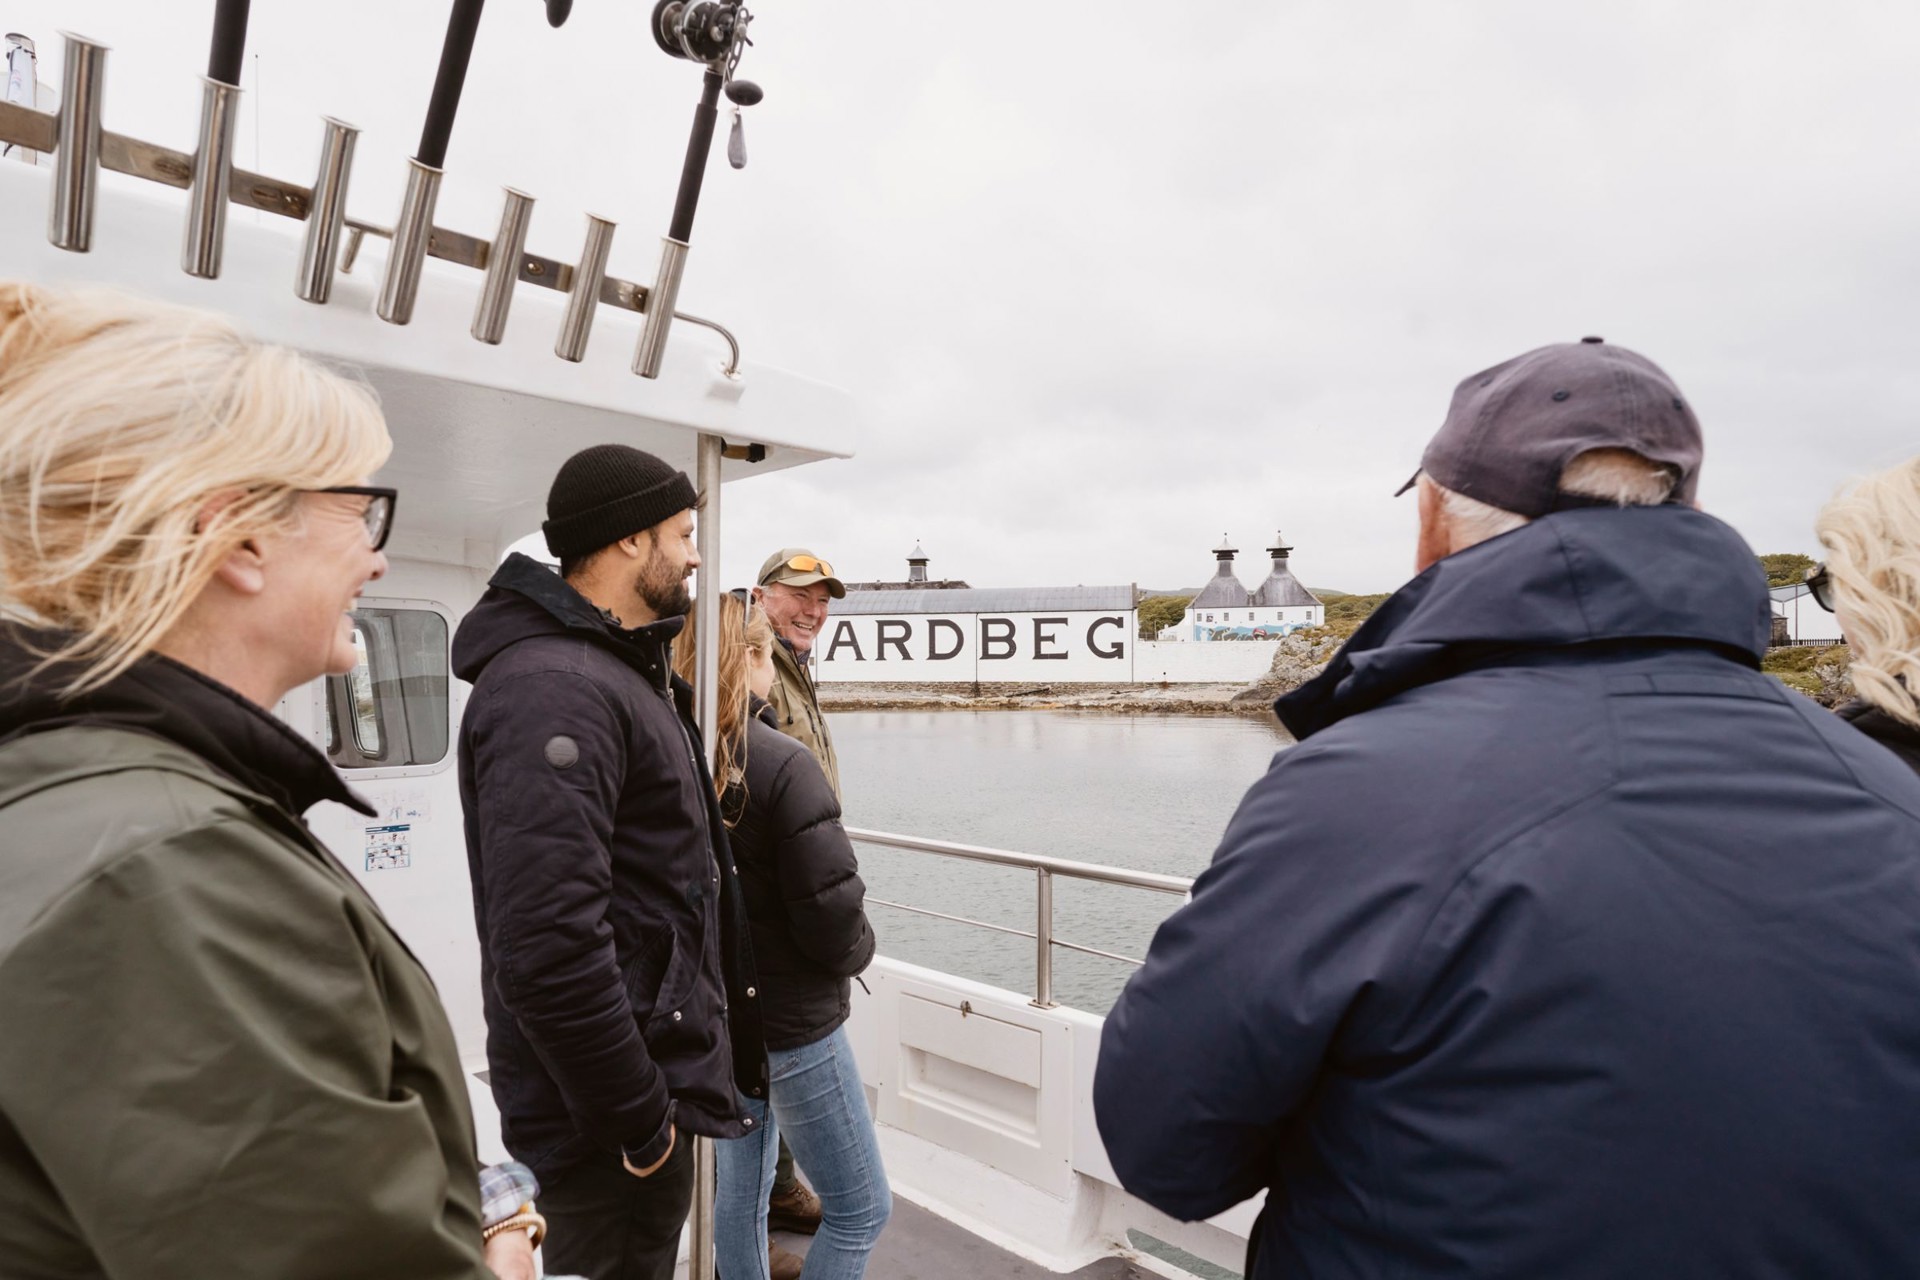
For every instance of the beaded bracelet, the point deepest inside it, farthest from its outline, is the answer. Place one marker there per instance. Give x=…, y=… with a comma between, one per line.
x=527, y=1220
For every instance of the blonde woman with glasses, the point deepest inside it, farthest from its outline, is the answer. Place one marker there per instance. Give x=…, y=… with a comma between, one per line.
x=216, y=1057
x=1871, y=583
x=805, y=906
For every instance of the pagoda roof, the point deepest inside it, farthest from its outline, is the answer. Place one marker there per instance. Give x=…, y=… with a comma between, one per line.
x=1282, y=590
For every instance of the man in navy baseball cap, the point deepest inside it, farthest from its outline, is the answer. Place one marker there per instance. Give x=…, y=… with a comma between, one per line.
x=1566, y=942
x=1513, y=429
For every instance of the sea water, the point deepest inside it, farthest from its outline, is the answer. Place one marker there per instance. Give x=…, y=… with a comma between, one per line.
x=1149, y=792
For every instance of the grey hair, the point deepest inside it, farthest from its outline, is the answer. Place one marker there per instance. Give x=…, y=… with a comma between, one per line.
x=1620, y=476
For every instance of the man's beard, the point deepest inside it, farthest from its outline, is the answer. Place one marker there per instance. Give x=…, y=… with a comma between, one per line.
x=663, y=588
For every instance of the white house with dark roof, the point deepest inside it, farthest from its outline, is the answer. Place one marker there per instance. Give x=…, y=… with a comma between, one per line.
x=1226, y=610
x=1807, y=623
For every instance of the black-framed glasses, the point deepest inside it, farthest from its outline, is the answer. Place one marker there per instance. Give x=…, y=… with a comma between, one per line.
x=379, y=512
x=1820, y=584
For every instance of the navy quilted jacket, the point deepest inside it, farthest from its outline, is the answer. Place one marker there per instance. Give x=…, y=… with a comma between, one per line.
x=1564, y=944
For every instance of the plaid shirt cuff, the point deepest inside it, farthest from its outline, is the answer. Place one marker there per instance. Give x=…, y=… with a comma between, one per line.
x=503, y=1189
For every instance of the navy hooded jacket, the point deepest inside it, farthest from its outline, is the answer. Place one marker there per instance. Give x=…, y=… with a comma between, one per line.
x=1566, y=944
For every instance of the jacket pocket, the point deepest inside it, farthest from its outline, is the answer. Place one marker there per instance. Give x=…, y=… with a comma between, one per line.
x=678, y=982
x=649, y=974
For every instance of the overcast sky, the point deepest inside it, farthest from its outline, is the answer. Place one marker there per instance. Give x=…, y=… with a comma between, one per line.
x=1112, y=279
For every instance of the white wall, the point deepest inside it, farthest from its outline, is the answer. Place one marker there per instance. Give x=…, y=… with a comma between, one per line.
x=1182, y=662
x=1085, y=647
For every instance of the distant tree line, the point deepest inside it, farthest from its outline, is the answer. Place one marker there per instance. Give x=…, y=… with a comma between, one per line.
x=1785, y=569
x=1160, y=612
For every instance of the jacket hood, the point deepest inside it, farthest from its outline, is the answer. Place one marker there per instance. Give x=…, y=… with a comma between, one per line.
x=525, y=598
x=1667, y=574
x=169, y=700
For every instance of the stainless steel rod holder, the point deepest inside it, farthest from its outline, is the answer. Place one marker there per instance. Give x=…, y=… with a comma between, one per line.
x=706, y=680
x=212, y=173
x=661, y=300
x=503, y=268
x=584, y=298
x=400, y=286
x=320, y=249
x=76, y=153
x=1043, y=940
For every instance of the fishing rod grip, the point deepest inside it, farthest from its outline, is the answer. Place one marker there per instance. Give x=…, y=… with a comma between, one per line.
x=455, y=53
x=694, y=169
x=229, y=41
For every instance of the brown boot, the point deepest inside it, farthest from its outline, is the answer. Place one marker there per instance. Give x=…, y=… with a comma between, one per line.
x=783, y=1264
x=797, y=1209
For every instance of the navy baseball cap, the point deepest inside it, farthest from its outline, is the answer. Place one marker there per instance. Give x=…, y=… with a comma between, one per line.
x=1513, y=428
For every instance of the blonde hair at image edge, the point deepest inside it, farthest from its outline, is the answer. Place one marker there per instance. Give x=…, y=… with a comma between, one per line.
x=738, y=635
x=120, y=420
x=1871, y=533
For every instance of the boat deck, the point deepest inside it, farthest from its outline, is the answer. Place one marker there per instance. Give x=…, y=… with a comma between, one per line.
x=920, y=1245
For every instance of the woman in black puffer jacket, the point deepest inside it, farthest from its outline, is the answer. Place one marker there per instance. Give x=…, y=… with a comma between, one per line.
x=805, y=902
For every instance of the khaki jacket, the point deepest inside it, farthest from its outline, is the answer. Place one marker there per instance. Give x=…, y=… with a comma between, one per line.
x=216, y=1056
x=796, y=711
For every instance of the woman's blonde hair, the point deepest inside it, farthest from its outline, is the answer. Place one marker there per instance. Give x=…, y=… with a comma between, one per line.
x=1872, y=536
x=140, y=445
x=739, y=635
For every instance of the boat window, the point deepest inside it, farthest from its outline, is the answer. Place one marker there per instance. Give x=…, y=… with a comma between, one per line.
x=366, y=717
x=393, y=705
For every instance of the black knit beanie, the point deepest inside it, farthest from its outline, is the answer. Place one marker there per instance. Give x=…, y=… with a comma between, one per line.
x=610, y=492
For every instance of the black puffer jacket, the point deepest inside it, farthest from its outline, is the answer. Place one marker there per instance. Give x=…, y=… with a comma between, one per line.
x=1900, y=738
x=802, y=887
x=613, y=952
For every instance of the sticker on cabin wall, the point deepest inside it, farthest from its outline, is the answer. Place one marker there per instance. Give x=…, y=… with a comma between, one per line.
x=403, y=806
x=390, y=848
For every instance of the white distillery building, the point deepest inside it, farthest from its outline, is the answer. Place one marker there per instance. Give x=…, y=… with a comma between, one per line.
x=1225, y=610
x=942, y=631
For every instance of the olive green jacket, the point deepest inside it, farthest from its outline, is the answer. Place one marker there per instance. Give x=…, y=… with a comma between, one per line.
x=796, y=711
x=216, y=1056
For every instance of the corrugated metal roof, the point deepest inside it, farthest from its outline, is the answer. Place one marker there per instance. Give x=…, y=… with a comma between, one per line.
x=988, y=600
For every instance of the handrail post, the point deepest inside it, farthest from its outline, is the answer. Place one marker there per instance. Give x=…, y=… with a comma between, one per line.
x=706, y=692
x=1043, y=939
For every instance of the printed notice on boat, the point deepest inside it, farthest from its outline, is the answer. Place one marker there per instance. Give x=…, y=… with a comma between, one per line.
x=390, y=848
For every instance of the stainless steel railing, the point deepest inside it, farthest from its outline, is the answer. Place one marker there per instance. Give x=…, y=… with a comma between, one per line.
x=1044, y=869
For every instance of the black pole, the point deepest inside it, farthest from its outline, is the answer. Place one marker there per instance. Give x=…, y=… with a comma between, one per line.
x=447, y=83
x=229, y=41
x=695, y=167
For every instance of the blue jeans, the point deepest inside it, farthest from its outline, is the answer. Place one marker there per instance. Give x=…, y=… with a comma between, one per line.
x=820, y=1107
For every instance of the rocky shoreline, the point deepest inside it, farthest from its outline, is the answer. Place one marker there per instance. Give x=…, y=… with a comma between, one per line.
x=1820, y=674
x=1188, y=699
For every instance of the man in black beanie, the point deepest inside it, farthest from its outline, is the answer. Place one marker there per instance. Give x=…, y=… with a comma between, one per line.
x=615, y=975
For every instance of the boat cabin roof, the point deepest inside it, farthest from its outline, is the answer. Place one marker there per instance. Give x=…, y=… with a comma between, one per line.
x=478, y=430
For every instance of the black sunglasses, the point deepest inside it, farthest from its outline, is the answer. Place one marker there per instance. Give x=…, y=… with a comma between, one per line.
x=1820, y=583
x=379, y=512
